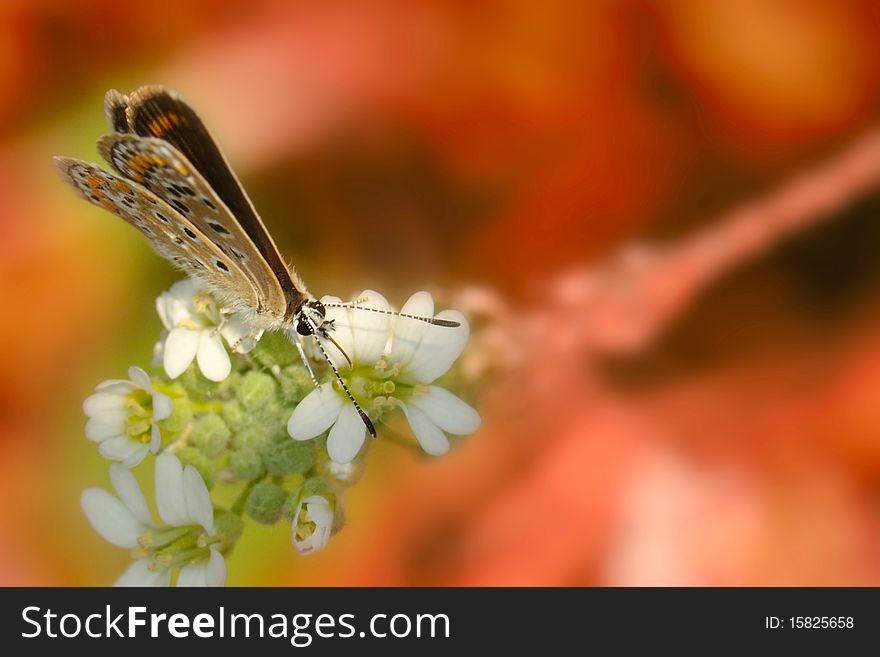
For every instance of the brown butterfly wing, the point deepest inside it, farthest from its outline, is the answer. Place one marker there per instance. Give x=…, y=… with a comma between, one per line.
x=153, y=111
x=170, y=234
x=116, y=110
x=159, y=167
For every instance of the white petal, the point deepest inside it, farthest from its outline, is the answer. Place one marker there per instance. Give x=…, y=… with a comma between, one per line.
x=170, y=499
x=176, y=305
x=193, y=575
x=345, y=473
x=320, y=538
x=341, y=332
x=197, y=499
x=163, y=311
x=208, y=572
x=438, y=349
x=239, y=335
x=135, y=457
x=159, y=350
x=447, y=411
x=370, y=329
x=130, y=493
x=429, y=435
x=106, y=425
x=123, y=448
x=212, y=357
x=215, y=573
x=314, y=414
x=116, y=386
x=319, y=510
x=162, y=406
x=408, y=333
x=139, y=574
x=111, y=518
x=180, y=349
x=140, y=378
x=185, y=290
x=169, y=309
x=317, y=541
x=103, y=402
x=155, y=438
x=347, y=435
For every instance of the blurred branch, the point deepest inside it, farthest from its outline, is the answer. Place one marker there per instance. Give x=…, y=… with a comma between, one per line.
x=631, y=298
x=623, y=303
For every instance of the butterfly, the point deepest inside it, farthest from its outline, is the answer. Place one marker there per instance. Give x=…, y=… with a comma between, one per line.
x=172, y=182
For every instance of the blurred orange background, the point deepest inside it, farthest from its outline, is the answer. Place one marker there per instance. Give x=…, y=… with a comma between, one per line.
x=552, y=168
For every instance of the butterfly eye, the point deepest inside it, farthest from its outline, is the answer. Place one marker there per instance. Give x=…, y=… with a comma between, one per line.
x=303, y=327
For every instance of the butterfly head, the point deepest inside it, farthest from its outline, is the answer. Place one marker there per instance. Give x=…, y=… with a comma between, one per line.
x=310, y=320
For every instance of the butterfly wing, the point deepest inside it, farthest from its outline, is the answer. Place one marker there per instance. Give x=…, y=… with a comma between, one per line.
x=116, y=109
x=172, y=235
x=153, y=111
x=159, y=167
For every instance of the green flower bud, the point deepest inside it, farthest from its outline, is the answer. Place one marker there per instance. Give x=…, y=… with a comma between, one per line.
x=273, y=417
x=246, y=463
x=265, y=501
x=194, y=457
x=296, y=383
x=228, y=528
x=317, y=486
x=256, y=390
x=289, y=457
x=181, y=415
x=275, y=348
x=195, y=383
x=210, y=434
x=254, y=437
x=236, y=417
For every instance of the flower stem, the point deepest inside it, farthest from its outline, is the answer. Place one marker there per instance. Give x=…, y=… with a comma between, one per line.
x=238, y=505
x=207, y=406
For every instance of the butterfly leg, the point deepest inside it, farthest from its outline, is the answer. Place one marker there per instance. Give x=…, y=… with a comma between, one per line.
x=305, y=359
x=220, y=326
x=251, y=338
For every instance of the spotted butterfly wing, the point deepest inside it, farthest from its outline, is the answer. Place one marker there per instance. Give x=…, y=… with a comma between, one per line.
x=159, y=167
x=158, y=113
x=172, y=235
x=176, y=188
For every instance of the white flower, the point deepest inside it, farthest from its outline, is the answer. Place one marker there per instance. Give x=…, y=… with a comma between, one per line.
x=345, y=473
x=194, y=327
x=123, y=416
x=185, y=508
x=394, y=362
x=312, y=524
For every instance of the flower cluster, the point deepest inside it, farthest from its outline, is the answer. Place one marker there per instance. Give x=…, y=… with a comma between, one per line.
x=184, y=546
x=389, y=369
x=230, y=407
x=124, y=416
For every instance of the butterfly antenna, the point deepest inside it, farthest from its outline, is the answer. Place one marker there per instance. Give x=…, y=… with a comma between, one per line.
x=366, y=418
x=436, y=321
